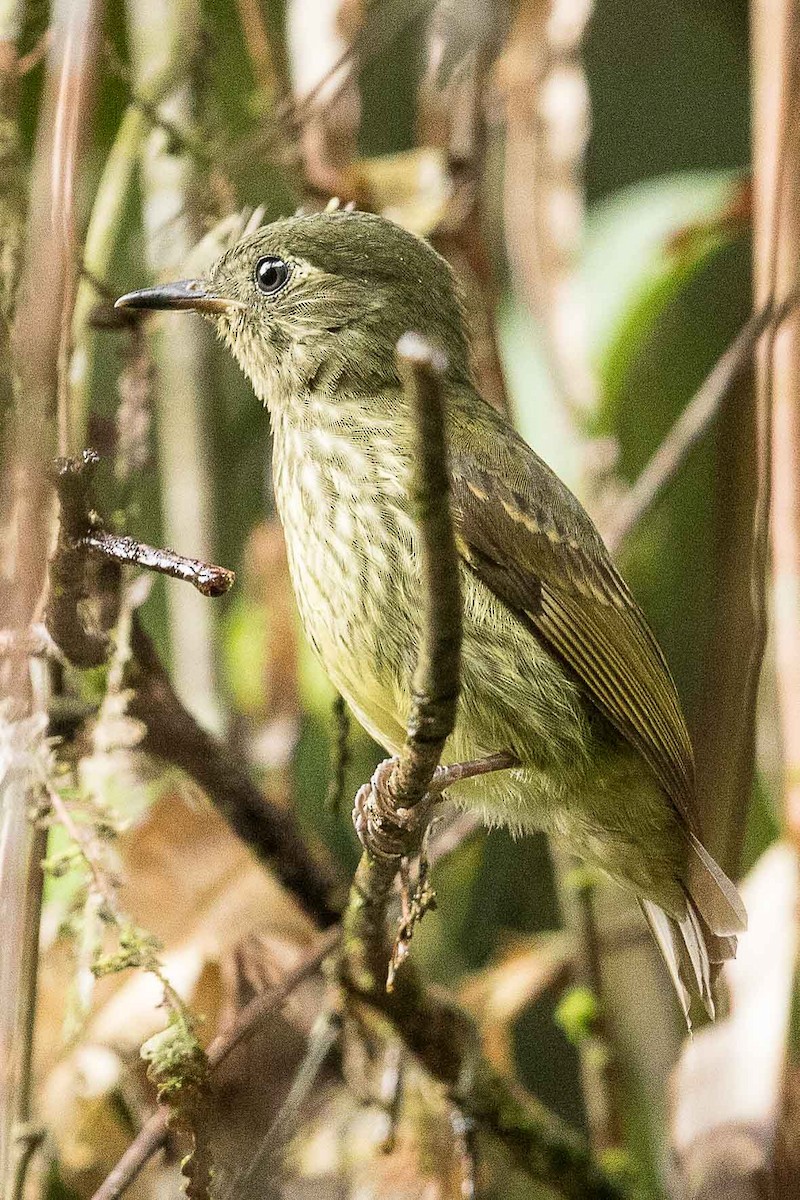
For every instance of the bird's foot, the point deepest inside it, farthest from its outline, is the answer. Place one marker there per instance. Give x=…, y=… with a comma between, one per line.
x=384, y=828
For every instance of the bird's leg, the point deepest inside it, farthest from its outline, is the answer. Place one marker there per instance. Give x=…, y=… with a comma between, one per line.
x=385, y=829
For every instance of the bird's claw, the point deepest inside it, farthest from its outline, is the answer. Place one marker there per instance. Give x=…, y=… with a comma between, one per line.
x=383, y=828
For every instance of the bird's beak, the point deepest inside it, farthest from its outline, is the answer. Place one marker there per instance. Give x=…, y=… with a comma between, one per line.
x=187, y=294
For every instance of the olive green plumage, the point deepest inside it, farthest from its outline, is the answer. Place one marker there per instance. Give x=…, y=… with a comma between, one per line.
x=558, y=663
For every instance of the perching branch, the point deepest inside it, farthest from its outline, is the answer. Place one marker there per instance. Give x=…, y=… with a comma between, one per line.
x=395, y=813
x=392, y=814
x=153, y=1134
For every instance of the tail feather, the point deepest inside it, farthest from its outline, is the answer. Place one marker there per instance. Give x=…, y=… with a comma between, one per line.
x=720, y=949
x=696, y=944
x=667, y=935
x=684, y=949
x=714, y=896
x=697, y=948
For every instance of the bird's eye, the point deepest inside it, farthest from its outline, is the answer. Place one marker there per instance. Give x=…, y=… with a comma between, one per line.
x=271, y=274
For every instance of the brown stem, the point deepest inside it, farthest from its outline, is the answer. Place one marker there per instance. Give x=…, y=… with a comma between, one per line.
x=745, y=1157
x=436, y=681
x=456, y=772
x=32, y=378
x=83, y=599
x=208, y=579
x=777, y=247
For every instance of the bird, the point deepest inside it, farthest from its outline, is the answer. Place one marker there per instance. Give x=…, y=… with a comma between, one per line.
x=559, y=666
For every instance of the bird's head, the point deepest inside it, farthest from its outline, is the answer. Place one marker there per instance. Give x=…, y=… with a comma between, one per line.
x=319, y=302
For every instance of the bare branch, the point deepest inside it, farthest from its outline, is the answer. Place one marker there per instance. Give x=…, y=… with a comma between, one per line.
x=172, y=733
x=77, y=578
x=208, y=579
x=447, y=776
x=437, y=678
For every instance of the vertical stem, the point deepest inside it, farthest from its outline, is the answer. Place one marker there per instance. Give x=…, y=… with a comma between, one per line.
x=776, y=158
x=12, y=195
x=34, y=374
x=163, y=39
x=101, y=239
x=16, y=843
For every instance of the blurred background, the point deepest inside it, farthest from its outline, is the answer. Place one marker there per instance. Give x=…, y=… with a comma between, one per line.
x=586, y=169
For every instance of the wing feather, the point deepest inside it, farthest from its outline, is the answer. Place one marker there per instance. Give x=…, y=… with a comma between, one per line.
x=526, y=536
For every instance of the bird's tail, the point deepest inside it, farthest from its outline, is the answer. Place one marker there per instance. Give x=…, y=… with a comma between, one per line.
x=695, y=945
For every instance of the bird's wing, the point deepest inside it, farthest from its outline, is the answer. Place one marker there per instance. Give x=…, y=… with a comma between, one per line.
x=525, y=535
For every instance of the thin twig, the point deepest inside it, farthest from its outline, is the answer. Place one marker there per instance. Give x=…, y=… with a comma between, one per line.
x=75, y=578
x=455, y=773
x=127, y=551
x=187, y=142
x=321, y=1041
x=455, y=833
x=149, y=1140
x=27, y=62
x=104, y=883
x=693, y=422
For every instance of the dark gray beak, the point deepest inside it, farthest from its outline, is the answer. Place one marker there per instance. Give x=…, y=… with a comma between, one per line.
x=187, y=294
